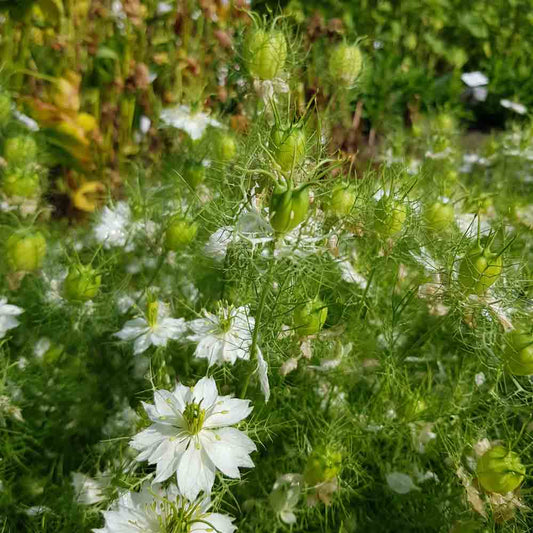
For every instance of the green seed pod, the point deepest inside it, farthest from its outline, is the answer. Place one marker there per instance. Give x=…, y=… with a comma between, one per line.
x=440, y=144
x=82, y=283
x=288, y=208
x=194, y=173
x=390, y=216
x=342, y=200
x=439, y=217
x=322, y=466
x=309, y=317
x=5, y=108
x=479, y=269
x=25, y=250
x=445, y=122
x=22, y=182
x=225, y=147
x=289, y=146
x=518, y=353
x=500, y=470
x=265, y=53
x=345, y=65
x=410, y=41
x=180, y=233
x=20, y=150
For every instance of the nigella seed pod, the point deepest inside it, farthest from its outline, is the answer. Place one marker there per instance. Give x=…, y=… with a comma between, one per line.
x=194, y=174
x=323, y=465
x=439, y=217
x=265, y=53
x=21, y=182
x=288, y=146
x=309, y=317
x=180, y=233
x=342, y=200
x=20, y=150
x=345, y=65
x=82, y=283
x=25, y=251
x=500, y=470
x=518, y=352
x=225, y=147
x=390, y=217
x=288, y=208
x=479, y=269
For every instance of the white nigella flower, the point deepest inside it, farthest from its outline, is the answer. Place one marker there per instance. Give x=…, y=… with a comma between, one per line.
x=193, y=123
x=191, y=435
x=224, y=337
x=218, y=243
x=514, y=106
x=468, y=224
x=8, y=314
x=285, y=495
x=156, y=328
x=156, y=510
x=89, y=490
x=474, y=79
x=113, y=227
x=400, y=483
x=350, y=275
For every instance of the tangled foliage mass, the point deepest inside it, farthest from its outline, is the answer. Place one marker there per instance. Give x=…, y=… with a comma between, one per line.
x=265, y=268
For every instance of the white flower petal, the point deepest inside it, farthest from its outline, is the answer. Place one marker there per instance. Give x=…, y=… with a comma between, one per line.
x=195, y=472
x=227, y=411
x=215, y=522
x=205, y=391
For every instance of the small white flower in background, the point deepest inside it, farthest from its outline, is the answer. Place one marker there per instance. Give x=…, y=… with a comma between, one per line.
x=156, y=328
x=474, y=79
x=126, y=301
x=193, y=123
x=285, y=496
x=476, y=82
x=400, y=483
x=164, y=7
x=122, y=422
x=8, y=314
x=144, y=124
x=36, y=510
x=514, y=106
x=8, y=409
x=218, y=243
x=469, y=160
x=468, y=224
x=422, y=434
x=480, y=379
x=290, y=365
x=267, y=90
x=223, y=337
x=155, y=510
x=350, y=275
x=191, y=436
x=89, y=490
x=41, y=347
x=113, y=226
x=443, y=154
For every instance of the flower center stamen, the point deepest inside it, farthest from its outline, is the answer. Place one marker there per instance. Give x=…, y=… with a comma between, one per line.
x=194, y=416
x=151, y=315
